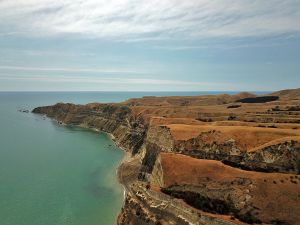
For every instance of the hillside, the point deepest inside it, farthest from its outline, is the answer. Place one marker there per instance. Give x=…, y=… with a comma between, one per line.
x=288, y=94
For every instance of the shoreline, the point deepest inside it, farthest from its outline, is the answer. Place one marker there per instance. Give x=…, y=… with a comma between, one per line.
x=126, y=155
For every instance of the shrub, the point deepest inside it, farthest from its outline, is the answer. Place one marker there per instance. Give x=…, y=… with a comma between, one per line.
x=278, y=222
x=233, y=106
x=248, y=218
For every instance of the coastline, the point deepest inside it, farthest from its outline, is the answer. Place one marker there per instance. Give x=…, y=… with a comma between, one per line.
x=125, y=158
x=126, y=155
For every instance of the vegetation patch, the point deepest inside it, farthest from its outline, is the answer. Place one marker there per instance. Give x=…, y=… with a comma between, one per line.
x=233, y=106
x=215, y=206
x=278, y=222
x=201, y=202
x=261, y=99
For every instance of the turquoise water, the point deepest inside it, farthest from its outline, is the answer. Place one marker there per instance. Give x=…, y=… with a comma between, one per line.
x=51, y=174
x=56, y=175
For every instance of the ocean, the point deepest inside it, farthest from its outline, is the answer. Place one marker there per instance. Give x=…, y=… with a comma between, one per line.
x=52, y=174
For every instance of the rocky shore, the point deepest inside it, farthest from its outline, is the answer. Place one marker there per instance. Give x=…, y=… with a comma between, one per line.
x=196, y=160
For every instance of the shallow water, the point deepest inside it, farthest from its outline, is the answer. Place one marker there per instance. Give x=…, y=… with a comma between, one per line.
x=56, y=175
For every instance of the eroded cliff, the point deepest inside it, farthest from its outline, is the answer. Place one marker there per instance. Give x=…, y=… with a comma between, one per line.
x=197, y=160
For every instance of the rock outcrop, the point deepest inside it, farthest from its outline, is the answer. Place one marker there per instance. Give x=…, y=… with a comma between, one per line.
x=283, y=157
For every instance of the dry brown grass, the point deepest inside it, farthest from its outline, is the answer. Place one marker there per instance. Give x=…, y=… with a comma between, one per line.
x=247, y=138
x=183, y=169
x=274, y=194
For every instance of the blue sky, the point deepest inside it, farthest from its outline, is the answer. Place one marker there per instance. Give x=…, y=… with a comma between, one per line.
x=153, y=45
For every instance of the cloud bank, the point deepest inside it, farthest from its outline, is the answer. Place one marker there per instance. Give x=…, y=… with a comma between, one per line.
x=140, y=20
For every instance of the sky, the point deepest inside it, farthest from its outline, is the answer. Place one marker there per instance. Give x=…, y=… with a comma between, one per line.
x=149, y=45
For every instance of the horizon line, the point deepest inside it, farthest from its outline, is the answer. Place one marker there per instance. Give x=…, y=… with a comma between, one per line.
x=66, y=91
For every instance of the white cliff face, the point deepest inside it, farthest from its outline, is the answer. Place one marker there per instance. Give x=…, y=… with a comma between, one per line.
x=157, y=176
x=160, y=136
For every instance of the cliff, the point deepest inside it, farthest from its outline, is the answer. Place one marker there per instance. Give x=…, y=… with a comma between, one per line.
x=197, y=160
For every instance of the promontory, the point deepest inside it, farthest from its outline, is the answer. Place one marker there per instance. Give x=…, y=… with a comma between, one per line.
x=215, y=159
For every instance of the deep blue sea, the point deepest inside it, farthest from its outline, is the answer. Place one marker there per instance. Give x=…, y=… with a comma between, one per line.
x=56, y=175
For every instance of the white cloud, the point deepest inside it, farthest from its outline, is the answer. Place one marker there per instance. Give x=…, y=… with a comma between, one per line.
x=67, y=69
x=140, y=20
x=103, y=80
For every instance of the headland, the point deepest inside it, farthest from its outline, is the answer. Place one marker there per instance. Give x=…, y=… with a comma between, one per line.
x=216, y=159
